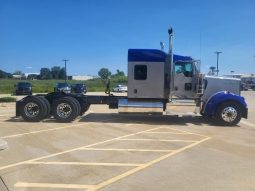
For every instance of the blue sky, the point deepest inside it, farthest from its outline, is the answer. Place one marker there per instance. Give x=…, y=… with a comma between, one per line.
x=97, y=33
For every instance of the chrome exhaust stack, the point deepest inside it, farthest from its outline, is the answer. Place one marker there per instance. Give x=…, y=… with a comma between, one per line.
x=170, y=52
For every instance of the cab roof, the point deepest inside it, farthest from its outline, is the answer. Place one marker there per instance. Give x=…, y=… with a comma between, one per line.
x=152, y=55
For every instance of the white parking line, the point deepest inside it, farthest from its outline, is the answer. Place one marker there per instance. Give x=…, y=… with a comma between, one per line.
x=84, y=163
x=129, y=150
x=71, y=150
x=46, y=130
x=146, y=165
x=137, y=166
x=159, y=140
x=39, y=131
x=167, y=132
x=185, y=131
x=49, y=185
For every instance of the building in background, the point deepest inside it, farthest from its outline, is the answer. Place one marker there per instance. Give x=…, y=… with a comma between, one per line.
x=83, y=78
x=234, y=75
x=32, y=76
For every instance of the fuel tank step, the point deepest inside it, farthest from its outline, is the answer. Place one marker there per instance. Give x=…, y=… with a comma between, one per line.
x=142, y=107
x=182, y=107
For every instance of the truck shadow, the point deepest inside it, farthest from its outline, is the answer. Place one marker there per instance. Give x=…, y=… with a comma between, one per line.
x=144, y=119
x=131, y=119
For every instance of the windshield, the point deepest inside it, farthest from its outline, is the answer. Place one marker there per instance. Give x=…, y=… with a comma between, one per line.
x=24, y=84
x=61, y=85
x=79, y=85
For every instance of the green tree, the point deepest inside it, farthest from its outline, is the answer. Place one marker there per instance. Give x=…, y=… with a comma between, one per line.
x=62, y=73
x=45, y=74
x=32, y=76
x=119, y=77
x=5, y=74
x=119, y=74
x=104, y=73
x=18, y=72
x=55, y=70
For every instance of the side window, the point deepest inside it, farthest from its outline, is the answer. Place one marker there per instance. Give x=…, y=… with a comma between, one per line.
x=188, y=70
x=184, y=67
x=178, y=68
x=140, y=72
x=188, y=67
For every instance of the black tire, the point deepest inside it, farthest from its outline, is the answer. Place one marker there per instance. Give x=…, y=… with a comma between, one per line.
x=47, y=103
x=33, y=109
x=84, y=109
x=228, y=114
x=77, y=104
x=65, y=109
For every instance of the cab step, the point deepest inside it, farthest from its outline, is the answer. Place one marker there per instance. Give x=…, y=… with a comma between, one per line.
x=182, y=107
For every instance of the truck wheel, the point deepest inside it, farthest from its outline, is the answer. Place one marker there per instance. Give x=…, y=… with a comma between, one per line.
x=33, y=109
x=229, y=114
x=47, y=103
x=77, y=104
x=84, y=109
x=65, y=109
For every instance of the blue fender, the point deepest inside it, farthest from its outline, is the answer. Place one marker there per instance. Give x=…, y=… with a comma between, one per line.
x=210, y=107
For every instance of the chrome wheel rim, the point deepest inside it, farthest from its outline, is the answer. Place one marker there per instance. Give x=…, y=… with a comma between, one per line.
x=229, y=114
x=31, y=109
x=64, y=110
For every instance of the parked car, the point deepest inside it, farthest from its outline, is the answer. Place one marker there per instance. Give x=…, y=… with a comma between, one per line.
x=244, y=87
x=120, y=88
x=23, y=88
x=79, y=88
x=248, y=85
x=62, y=87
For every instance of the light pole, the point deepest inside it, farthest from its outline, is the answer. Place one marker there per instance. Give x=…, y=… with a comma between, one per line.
x=217, y=52
x=65, y=60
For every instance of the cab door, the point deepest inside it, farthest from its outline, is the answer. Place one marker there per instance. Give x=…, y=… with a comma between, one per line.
x=184, y=80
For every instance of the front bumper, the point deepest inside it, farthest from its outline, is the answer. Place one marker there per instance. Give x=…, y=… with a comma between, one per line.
x=245, y=113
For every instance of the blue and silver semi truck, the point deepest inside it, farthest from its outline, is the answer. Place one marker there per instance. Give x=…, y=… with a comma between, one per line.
x=158, y=83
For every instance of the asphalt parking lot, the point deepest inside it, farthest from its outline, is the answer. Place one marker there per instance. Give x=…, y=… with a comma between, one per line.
x=106, y=151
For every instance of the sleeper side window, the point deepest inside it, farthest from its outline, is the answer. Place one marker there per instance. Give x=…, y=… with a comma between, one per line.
x=140, y=72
